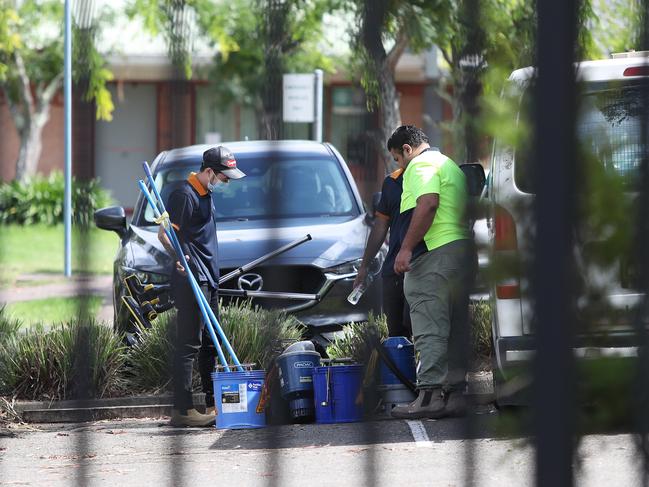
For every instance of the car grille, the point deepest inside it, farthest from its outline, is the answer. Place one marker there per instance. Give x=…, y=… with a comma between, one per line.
x=291, y=279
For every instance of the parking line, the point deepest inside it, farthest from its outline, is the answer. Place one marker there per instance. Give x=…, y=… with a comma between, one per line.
x=419, y=434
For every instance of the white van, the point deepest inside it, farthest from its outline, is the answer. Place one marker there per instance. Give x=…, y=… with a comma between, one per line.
x=609, y=132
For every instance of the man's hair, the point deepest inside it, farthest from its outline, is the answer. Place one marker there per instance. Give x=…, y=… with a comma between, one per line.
x=406, y=134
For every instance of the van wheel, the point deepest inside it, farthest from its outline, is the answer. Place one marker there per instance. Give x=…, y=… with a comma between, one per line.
x=510, y=392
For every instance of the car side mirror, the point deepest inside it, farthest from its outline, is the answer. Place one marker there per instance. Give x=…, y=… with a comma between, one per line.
x=475, y=178
x=111, y=218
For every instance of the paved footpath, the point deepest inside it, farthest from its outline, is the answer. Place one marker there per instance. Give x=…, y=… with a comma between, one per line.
x=380, y=453
x=43, y=286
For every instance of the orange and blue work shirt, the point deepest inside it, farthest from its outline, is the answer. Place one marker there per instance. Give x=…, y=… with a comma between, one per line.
x=389, y=207
x=191, y=213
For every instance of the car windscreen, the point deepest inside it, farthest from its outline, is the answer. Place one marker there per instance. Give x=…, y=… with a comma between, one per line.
x=608, y=131
x=275, y=186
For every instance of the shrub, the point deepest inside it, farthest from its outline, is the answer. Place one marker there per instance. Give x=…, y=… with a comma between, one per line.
x=72, y=360
x=148, y=361
x=40, y=200
x=480, y=318
x=354, y=341
x=256, y=335
x=9, y=326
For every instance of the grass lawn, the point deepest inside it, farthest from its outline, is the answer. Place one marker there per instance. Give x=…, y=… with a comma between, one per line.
x=50, y=311
x=39, y=249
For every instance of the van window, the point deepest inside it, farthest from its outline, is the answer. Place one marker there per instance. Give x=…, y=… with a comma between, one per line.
x=608, y=128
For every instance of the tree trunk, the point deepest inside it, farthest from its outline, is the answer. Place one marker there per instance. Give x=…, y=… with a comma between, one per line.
x=468, y=67
x=30, y=112
x=390, y=115
x=382, y=66
x=274, y=33
x=31, y=144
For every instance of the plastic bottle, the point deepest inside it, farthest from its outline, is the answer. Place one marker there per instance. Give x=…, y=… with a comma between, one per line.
x=358, y=291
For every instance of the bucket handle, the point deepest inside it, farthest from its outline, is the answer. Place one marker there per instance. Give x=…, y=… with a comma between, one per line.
x=325, y=403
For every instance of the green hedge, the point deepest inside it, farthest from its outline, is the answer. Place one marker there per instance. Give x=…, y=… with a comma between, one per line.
x=40, y=200
x=41, y=364
x=354, y=341
x=256, y=335
x=46, y=364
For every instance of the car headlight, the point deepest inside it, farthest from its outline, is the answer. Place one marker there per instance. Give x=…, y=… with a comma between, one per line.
x=352, y=266
x=144, y=277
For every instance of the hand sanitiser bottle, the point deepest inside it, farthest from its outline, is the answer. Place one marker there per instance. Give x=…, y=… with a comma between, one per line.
x=358, y=291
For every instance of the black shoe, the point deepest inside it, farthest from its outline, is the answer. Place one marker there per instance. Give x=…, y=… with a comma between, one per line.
x=430, y=403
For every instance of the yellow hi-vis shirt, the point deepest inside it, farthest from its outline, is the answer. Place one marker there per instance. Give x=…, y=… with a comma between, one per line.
x=433, y=172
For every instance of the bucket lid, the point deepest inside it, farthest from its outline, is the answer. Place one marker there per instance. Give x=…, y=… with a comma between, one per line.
x=303, y=346
x=292, y=354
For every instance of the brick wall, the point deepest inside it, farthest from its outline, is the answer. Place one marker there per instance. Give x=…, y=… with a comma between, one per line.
x=52, y=155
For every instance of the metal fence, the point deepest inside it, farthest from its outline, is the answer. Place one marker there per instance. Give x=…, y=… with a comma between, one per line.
x=554, y=418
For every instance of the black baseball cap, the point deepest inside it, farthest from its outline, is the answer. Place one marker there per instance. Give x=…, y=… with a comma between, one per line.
x=221, y=159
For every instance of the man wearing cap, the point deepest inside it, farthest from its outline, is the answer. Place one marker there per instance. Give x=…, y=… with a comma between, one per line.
x=191, y=213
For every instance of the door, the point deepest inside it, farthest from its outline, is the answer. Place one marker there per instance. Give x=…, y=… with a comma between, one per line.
x=130, y=138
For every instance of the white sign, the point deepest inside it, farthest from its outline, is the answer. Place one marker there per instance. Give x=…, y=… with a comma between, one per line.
x=299, y=98
x=212, y=138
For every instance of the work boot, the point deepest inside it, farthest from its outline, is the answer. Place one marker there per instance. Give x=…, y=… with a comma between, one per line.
x=192, y=418
x=455, y=404
x=211, y=410
x=429, y=404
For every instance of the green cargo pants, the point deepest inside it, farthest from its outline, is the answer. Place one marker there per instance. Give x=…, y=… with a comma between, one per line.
x=437, y=289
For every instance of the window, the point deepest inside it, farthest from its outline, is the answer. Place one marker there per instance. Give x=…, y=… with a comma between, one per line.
x=281, y=186
x=608, y=130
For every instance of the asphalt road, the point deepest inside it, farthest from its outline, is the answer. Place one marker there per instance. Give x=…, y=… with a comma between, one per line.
x=380, y=453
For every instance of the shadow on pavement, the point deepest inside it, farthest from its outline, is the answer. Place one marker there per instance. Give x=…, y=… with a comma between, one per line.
x=355, y=434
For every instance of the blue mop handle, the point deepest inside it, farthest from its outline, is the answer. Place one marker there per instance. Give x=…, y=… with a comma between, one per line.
x=212, y=317
x=192, y=280
x=149, y=177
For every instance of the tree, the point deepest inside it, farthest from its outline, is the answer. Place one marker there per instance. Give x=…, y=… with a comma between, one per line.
x=383, y=31
x=9, y=40
x=471, y=36
x=31, y=66
x=491, y=39
x=255, y=42
x=616, y=26
x=258, y=42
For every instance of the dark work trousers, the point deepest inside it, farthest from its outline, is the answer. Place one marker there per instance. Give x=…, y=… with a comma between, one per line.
x=396, y=307
x=192, y=339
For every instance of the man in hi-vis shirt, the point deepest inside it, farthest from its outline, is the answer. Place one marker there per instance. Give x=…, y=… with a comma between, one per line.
x=438, y=259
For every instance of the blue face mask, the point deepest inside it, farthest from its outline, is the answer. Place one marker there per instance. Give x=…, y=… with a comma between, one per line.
x=211, y=186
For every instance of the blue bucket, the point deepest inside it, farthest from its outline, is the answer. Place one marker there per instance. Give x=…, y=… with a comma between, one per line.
x=336, y=391
x=296, y=382
x=402, y=352
x=236, y=396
